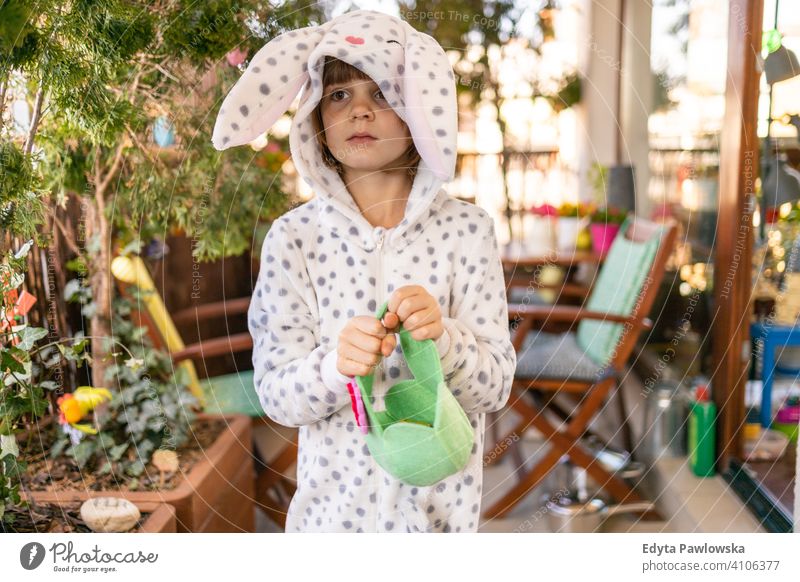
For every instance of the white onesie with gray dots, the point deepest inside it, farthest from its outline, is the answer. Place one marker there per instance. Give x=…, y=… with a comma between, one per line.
x=317, y=272
x=323, y=263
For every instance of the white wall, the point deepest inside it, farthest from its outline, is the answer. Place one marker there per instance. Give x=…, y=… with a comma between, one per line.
x=601, y=68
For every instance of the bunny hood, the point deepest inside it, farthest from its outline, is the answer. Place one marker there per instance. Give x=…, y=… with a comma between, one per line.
x=415, y=77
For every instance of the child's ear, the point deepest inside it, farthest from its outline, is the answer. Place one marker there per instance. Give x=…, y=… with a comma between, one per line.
x=430, y=102
x=262, y=94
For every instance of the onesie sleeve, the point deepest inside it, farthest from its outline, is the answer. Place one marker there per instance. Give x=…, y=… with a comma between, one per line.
x=479, y=360
x=287, y=358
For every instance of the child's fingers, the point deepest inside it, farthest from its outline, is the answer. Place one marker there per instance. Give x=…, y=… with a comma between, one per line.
x=423, y=317
x=368, y=325
x=359, y=355
x=390, y=320
x=388, y=345
x=411, y=305
x=426, y=332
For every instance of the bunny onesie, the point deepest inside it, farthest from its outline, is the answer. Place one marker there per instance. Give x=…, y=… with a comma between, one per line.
x=323, y=263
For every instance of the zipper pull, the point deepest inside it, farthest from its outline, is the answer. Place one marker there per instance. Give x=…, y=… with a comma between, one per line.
x=379, y=242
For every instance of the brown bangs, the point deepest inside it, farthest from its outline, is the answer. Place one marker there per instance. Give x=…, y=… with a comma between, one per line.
x=335, y=72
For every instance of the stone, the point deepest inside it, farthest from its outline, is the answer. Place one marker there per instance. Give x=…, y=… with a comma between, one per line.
x=109, y=514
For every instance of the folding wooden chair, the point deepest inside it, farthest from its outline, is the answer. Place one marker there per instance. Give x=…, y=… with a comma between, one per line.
x=587, y=363
x=274, y=446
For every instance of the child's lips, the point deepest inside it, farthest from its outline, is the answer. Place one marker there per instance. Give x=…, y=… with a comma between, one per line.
x=361, y=139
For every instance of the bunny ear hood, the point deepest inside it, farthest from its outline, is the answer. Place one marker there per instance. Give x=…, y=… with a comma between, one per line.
x=413, y=73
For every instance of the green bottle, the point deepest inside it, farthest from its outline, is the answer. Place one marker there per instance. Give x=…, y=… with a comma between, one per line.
x=702, y=433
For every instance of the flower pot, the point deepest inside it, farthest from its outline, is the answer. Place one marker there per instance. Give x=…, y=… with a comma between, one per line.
x=541, y=238
x=161, y=520
x=603, y=235
x=216, y=494
x=157, y=517
x=567, y=231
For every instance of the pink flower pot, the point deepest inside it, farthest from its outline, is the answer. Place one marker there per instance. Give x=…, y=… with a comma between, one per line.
x=602, y=236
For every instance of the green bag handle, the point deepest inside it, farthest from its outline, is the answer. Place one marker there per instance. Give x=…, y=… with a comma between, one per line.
x=423, y=360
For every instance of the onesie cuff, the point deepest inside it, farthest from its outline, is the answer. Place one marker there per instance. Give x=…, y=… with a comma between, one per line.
x=331, y=376
x=443, y=343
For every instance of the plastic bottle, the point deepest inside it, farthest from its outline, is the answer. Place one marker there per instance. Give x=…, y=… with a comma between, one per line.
x=702, y=432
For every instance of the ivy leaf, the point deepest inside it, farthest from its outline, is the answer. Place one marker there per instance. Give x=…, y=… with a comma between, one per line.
x=115, y=453
x=83, y=451
x=8, y=446
x=135, y=469
x=49, y=385
x=10, y=363
x=58, y=448
x=72, y=290
x=29, y=336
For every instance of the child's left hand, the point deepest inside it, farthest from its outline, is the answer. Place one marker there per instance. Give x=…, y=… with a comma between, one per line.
x=418, y=310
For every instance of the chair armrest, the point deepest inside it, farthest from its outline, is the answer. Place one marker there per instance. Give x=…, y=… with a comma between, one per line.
x=568, y=313
x=215, y=347
x=212, y=310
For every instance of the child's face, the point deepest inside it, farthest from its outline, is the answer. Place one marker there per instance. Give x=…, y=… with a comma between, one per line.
x=358, y=107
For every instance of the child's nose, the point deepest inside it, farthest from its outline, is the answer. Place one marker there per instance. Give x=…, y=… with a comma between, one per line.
x=361, y=106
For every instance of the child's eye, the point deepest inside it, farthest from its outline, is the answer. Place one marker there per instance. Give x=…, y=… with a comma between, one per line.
x=379, y=94
x=337, y=92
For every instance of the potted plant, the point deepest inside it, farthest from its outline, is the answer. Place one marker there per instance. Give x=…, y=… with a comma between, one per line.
x=543, y=236
x=215, y=493
x=141, y=440
x=604, y=226
x=572, y=219
x=65, y=517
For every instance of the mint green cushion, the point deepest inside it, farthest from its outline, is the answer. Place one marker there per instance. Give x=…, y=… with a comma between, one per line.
x=423, y=435
x=616, y=290
x=232, y=394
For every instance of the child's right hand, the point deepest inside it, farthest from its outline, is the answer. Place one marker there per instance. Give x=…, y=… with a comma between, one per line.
x=363, y=341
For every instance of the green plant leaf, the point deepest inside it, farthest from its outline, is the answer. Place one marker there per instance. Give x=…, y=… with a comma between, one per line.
x=115, y=453
x=29, y=336
x=83, y=451
x=10, y=363
x=58, y=447
x=135, y=469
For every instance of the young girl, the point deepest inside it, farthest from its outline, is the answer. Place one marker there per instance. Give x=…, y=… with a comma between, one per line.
x=375, y=137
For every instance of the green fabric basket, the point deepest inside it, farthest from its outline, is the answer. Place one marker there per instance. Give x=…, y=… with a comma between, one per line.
x=423, y=435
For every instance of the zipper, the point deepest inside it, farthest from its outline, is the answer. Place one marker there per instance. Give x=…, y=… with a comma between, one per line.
x=379, y=243
x=380, y=234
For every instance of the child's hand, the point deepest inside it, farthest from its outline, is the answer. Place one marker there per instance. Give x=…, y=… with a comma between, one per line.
x=362, y=341
x=418, y=310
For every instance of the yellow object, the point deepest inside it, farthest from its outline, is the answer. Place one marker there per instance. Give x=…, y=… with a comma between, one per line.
x=584, y=242
x=75, y=405
x=752, y=430
x=132, y=270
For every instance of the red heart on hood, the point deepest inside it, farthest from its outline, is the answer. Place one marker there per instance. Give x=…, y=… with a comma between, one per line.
x=354, y=39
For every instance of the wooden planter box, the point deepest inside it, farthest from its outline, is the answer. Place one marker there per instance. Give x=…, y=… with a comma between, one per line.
x=160, y=520
x=215, y=496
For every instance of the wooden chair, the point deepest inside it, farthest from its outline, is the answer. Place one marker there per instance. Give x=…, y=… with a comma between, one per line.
x=587, y=363
x=275, y=446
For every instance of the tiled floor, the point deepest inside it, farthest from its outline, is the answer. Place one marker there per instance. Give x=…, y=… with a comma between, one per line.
x=688, y=503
